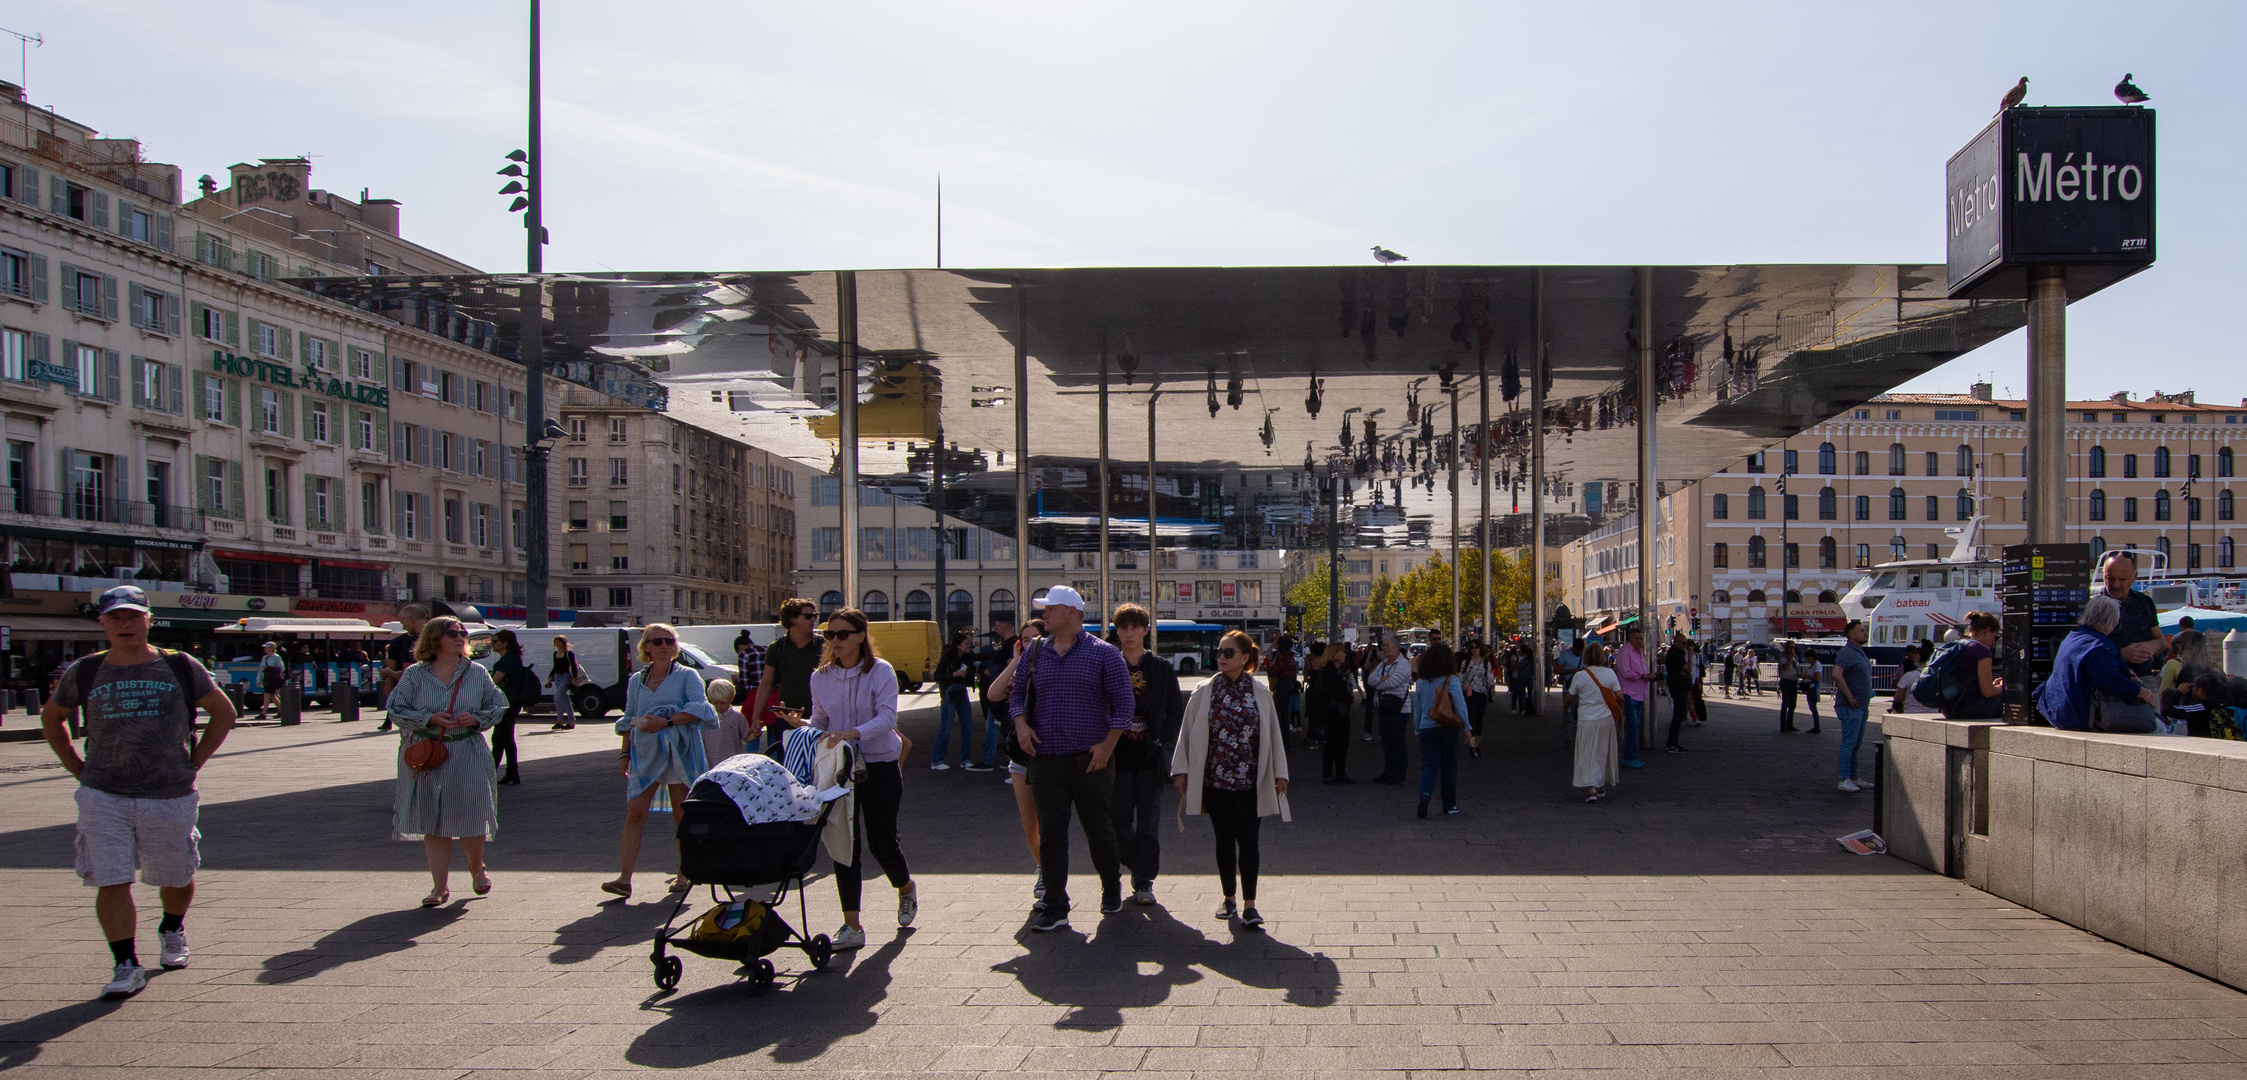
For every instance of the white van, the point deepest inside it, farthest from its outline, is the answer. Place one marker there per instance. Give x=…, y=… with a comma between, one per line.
x=609, y=655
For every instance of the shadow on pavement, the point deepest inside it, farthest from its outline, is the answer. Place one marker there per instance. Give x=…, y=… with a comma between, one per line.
x=1098, y=977
x=612, y=925
x=22, y=1040
x=376, y=935
x=807, y=1013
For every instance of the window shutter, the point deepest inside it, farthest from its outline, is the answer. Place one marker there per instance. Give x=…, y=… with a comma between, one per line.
x=39, y=347
x=405, y=448
x=233, y=329
x=30, y=192
x=288, y=343
x=234, y=402
x=39, y=279
x=108, y=297
x=428, y=439
x=134, y=302
x=174, y=381
x=171, y=315
x=398, y=514
x=382, y=437
x=70, y=360
x=140, y=368
x=195, y=309
x=202, y=483
x=69, y=286
x=97, y=209
x=381, y=368
x=124, y=216
x=58, y=197
x=252, y=325
x=236, y=508
x=110, y=367
x=288, y=413
x=311, y=507
x=163, y=233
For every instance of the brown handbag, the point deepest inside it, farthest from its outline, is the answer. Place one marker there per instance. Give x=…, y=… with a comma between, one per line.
x=1441, y=711
x=426, y=754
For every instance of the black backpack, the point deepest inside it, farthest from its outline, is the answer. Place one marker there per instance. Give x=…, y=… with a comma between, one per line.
x=89, y=669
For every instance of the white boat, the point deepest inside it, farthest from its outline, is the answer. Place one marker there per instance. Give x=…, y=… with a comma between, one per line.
x=1911, y=600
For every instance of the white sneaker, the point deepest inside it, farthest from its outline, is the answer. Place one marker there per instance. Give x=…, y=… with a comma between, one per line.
x=175, y=949
x=1143, y=897
x=939, y=767
x=129, y=980
x=908, y=906
x=849, y=937
x=1851, y=786
x=1866, y=784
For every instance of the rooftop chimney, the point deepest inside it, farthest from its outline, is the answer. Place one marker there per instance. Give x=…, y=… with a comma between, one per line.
x=1983, y=391
x=2121, y=397
x=10, y=92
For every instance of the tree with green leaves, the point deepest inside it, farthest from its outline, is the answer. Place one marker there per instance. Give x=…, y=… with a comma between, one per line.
x=1310, y=594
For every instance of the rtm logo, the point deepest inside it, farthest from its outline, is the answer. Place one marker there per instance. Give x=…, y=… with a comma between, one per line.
x=2090, y=181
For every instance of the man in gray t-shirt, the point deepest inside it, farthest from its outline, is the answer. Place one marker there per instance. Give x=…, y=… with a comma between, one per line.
x=136, y=795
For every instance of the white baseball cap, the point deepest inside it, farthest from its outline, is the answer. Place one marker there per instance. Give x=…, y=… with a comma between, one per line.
x=1060, y=596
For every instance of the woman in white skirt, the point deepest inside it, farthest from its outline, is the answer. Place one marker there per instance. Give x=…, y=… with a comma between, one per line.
x=1598, y=735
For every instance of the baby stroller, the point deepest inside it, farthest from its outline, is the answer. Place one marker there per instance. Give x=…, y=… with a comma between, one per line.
x=719, y=849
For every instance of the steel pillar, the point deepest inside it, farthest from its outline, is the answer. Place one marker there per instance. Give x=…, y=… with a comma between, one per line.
x=846, y=416
x=2048, y=406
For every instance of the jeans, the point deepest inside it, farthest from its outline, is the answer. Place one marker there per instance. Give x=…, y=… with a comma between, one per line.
x=1138, y=811
x=564, y=713
x=1393, y=754
x=876, y=832
x=1439, y=757
x=1634, y=713
x=953, y=704
x=1788, y=689
x=1810, y=698
x=1852, y=736
x=1059, y=783
x=1232, y=814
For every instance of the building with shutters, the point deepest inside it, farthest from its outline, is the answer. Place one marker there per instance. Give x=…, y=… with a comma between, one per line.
x=177, y=413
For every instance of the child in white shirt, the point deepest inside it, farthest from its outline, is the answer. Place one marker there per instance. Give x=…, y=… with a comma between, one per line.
x=730, y=735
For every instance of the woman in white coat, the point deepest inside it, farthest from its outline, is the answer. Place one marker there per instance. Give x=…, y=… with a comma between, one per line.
x=1231, y=765
x=1598, y=739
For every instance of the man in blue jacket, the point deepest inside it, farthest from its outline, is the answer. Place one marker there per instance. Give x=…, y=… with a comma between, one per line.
x=2088, y=662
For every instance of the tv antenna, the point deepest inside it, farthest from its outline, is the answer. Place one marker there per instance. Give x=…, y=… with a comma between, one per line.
x=24, y=43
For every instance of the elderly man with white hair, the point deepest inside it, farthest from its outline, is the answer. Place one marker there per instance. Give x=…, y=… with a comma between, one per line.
x=2091, y=687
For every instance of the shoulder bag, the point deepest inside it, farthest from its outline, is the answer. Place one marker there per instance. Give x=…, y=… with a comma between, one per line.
x=1441, y=711
x=427, y=754
x=1015, y=751
x=1614, y=704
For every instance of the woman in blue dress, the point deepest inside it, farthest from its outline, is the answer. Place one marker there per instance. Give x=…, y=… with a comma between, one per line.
x=447, y=697
x=664, y=714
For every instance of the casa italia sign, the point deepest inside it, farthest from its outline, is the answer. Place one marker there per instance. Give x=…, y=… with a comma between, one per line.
x=307, y=378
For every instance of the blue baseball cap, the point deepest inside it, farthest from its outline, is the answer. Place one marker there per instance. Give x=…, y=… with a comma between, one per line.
x=122, y=598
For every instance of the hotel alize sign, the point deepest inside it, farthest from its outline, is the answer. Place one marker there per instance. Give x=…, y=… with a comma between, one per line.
x=312, y=379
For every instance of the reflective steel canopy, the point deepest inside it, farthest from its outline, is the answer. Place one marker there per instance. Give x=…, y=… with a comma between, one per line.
x=1258, y=373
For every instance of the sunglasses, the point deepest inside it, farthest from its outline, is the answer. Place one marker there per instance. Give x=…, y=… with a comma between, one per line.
x=663, y=641
x=1228, y=653
x=838, y=635
x=452, y=633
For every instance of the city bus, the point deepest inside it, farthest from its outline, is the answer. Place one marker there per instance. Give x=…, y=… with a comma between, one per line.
x=1191, y=647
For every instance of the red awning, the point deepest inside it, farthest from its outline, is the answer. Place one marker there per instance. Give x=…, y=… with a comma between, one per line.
x=345, y=564
x=260, y=556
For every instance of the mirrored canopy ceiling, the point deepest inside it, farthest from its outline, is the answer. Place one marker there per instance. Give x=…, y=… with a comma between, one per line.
x=1252, y=371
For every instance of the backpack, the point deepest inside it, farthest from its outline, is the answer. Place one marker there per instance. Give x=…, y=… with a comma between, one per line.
x=1939, y=684
x=89, y=669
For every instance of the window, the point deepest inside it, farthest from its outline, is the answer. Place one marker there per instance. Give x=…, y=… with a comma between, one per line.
x=1755, y=462
x=214, y=485
x=1791, y=506
x=276, y=496
x=362, y=431
x=826, y=544
x=618, y=477
x=2161, y=506
x=619, y=596
x=2226, y=556
x=616, y=430
x=1792, y=463
x=1965, y=504
x=1958, y=415
x=1756, y=553
x=581, y=596
x=480, y=525
x=2224, y=460
x=1864, y=508
x=1896, y=504
x=269, y=411
x=15, y=355
x=2192, y=466
x=1934, y=463
x=316, y=422
x=1794, y=556
x=2224, y=511
x=576, y=425
x=620, y=556
x=1825, y=459
x=2095, y=465
x=153, y=311
x=2130, y=466
x=1720, y=556
x=2192, y=507
x=1720, y=506
x=318, y=510
x=2098, y=506
x=1895, y=459
x=2161, y=543
x=268, y=339
x=1864, y=556
x=577, y=472
x=875, y=605
x=1755, y=504
x=2130, y=508
x=23, y=274
x=576, y=521
x=580, y=558
x=1829, y=505
x=2161, y=462
x=1934, y=508
x=1965, y=465
x=1864, y=463
x=620, y=517
x=454, y=526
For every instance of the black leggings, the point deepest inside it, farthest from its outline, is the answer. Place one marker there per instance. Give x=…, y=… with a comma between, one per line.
x=503, y=739
x=1233, y=815
x=1334, y=756
x=875, y=830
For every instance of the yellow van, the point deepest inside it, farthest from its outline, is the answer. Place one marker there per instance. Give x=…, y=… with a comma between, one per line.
x=911, y=646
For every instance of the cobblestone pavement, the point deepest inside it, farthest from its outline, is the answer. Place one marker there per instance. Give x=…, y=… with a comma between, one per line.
x=1702, y=923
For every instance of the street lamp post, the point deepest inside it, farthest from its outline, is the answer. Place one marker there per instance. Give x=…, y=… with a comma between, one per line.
x=532, y=335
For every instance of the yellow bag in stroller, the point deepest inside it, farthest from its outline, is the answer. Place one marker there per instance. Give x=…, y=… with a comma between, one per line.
x=737, y=930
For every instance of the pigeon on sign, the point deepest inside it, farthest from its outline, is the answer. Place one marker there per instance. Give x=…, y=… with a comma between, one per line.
x=2128, y=91
x=2016, y=95
x=1385, y=256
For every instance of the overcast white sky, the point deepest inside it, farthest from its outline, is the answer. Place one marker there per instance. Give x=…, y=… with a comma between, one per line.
x=737, y=136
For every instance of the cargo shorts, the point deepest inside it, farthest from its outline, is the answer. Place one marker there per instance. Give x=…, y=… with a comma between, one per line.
x=118, y=834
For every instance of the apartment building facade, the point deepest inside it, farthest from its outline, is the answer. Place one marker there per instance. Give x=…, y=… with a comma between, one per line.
x=1897, y=478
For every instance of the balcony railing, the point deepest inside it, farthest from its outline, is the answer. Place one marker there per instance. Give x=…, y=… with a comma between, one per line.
x=84, y=505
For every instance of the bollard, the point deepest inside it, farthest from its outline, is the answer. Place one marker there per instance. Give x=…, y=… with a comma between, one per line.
x=2235, y=654
x=346, y=703
x=292, y=704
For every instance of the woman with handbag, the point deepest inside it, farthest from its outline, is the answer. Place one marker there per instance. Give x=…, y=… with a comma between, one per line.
x=1598, y=696
x=518, y=685
x=665, y=710
x=442, y=705
x=854, y=700
x=1479, y=681
x=1231, y=765
x=563, y=675
x=1439, y=710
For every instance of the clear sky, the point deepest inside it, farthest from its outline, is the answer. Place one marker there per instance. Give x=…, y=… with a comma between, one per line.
x=739, y=136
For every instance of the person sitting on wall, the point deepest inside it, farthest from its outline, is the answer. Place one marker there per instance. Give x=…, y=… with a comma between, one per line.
x=2091, y=688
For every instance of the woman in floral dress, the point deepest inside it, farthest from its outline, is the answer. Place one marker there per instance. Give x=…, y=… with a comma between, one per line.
x=1231, y=765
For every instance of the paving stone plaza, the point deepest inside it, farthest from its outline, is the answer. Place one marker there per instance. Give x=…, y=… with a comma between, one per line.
x=1702, y=923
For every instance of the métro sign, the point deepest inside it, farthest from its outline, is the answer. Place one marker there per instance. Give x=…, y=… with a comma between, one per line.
x=2066, y=187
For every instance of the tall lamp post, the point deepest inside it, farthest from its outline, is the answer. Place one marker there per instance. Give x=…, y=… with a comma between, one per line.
x=538, y=429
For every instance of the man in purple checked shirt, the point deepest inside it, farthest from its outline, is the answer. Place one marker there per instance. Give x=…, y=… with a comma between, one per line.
x=1069, y=709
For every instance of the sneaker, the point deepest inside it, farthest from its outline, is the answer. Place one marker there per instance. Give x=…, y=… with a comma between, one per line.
x=1634, y=764
x=939, y=767
x=1049, y=921
x=1037, y=890
x=129, y=980
x=1250, y=918
x=849, y=937
x=175, y=949
x=976, y=767
x=1451, y=810
x=1677, y=749
x=1228, y=910
x=1365, y=738
x=1851, y=786
x=1110, y=903
x=908, y=906
x=1144, y=897
x=1866, y=784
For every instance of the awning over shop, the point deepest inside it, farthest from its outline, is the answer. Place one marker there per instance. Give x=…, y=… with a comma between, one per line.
x=53, y=628
x=261, y=556
x=186, y=619
x=69, y=536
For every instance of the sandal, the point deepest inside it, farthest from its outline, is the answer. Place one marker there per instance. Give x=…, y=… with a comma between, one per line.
x=482, y=880
x=617, y=888
x=437, y=898
x=679, y=883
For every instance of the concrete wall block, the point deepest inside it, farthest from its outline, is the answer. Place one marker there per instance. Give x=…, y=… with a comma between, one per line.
x=1916, y=803
x=2061, y=861
x=2111, y=837
x=2115, y=753
x=2009, y=868
x=2186, y=848
x=2184, y=761
x=2044, y=744
x=2231, y=769
x=2227, y=811
x=1977, y=859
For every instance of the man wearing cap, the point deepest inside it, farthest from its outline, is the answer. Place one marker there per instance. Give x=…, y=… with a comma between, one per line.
x=136, y=794
x=399, y=654
x=1069, y=709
